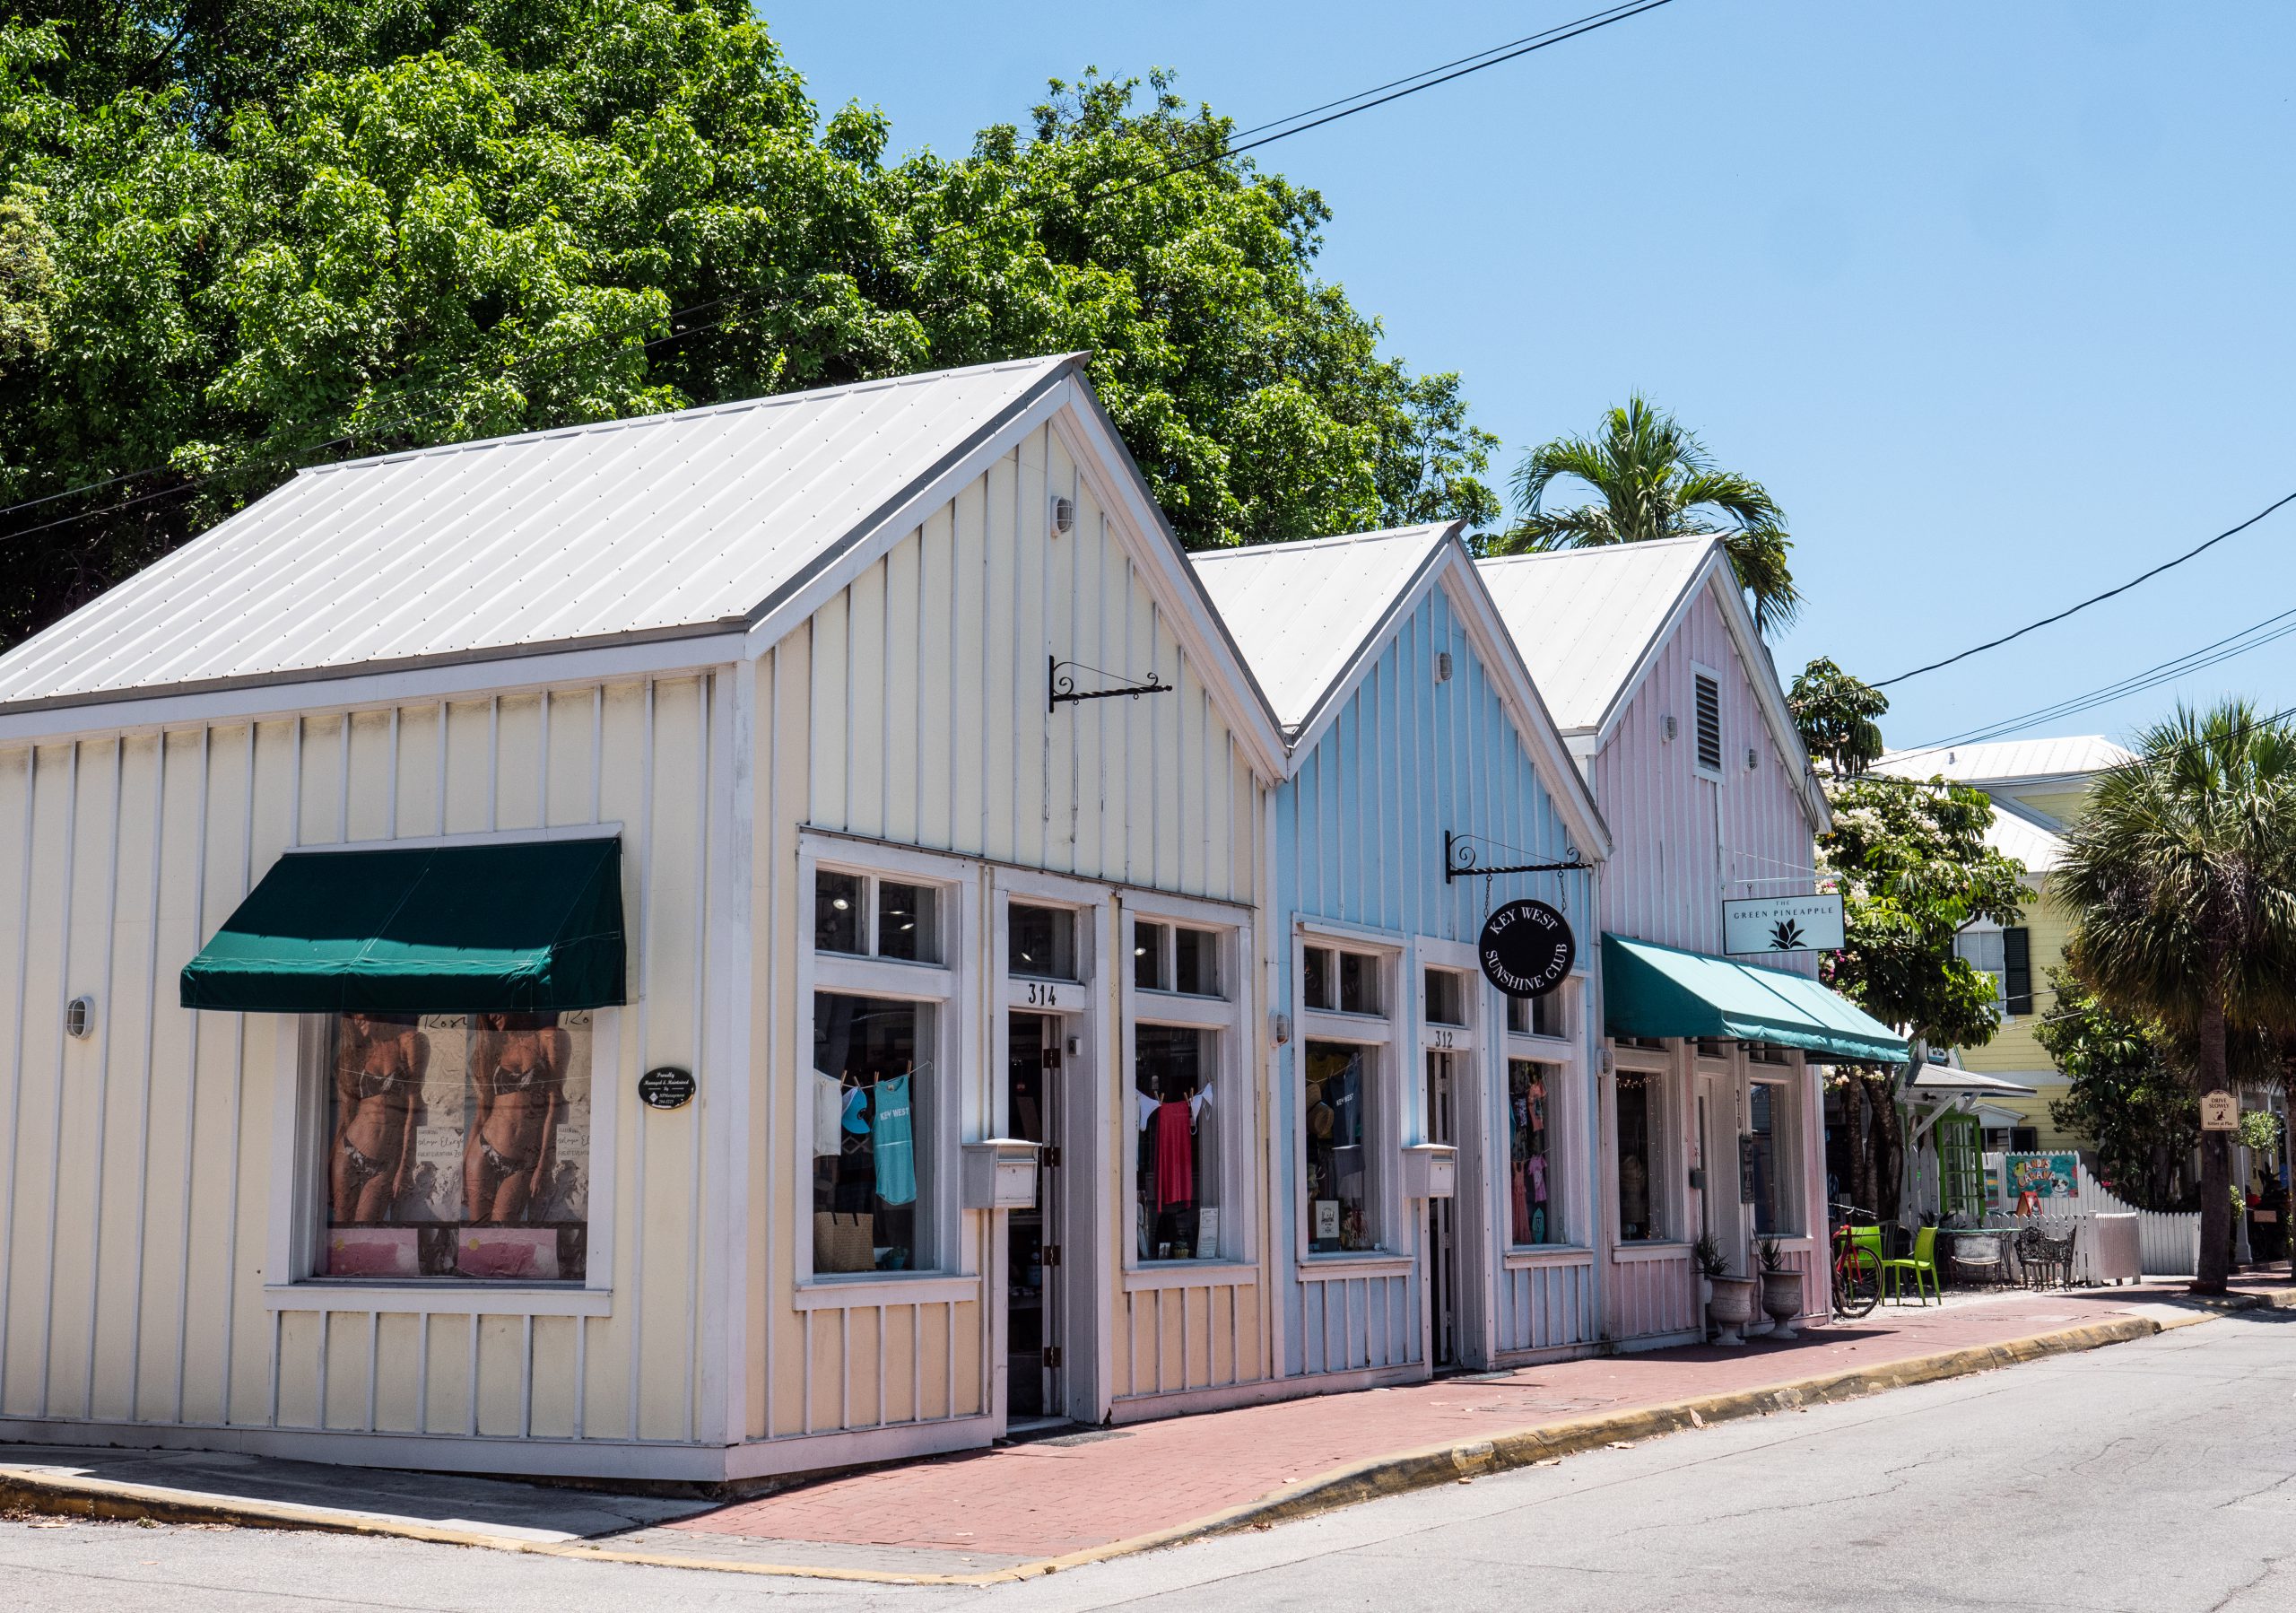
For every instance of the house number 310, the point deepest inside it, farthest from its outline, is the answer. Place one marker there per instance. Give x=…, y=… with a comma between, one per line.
x=1042, y=996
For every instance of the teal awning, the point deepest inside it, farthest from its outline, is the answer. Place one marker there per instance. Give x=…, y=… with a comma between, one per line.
x=1651, y=991
x=521, y=927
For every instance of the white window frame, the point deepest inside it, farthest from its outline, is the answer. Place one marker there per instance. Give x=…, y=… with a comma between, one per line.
x=1786, y=1157
x=1567, y=1122
x=301, y=1094
x=1673, y=1070
x=1233, y=1106
x=1392, y=1043
x=1699, y=669
x=948, y=986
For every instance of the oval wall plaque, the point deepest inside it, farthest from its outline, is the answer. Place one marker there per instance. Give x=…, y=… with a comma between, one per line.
x=668, y=1087
x=1527, y=948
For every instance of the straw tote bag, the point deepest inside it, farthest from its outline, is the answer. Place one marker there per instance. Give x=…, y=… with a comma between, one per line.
x=843, y=1242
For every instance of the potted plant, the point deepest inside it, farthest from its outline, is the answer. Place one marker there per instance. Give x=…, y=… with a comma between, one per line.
x=1706, y=1254
x=1729, y=1300
x=1781, y=1288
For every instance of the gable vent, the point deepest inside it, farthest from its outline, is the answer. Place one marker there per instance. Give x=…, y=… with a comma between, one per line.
x=1709, y=723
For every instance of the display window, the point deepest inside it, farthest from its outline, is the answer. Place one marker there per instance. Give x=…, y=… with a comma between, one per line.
x=1335, y=981
x=1638, y=1105
x=861, y=915
x=1175, y=1103
x=1538, y=1015
x=1768, y=1147
x=1041, y=941
x=1335, y=1102
x=1176, y=958
x=873, y=1092
x=1534, y=1203
x=458, y=1145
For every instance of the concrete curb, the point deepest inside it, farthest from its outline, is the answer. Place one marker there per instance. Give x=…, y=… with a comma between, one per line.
x=1393, y=1474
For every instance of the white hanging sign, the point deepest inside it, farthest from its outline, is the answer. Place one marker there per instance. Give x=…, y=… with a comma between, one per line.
x=1782, y=924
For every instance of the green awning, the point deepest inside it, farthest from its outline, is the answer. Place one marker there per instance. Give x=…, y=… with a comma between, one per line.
x=1651, y=991
x=521, y=927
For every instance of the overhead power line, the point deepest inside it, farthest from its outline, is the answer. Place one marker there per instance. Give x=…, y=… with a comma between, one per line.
x=2165, y=565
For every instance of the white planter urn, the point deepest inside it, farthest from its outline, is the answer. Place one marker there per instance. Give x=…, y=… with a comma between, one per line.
x=1731, y=1308
x=1781, y=1298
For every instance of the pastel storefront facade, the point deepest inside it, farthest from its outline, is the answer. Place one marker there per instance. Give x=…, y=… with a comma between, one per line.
x=746, y=1073
x=1432, y=1160
x=1709, y=1110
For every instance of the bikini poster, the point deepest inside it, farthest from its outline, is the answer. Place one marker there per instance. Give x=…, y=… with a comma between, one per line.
x=460, y=1145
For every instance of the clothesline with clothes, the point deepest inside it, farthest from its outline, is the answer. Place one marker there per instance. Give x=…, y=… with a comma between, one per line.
x=1174, y=1121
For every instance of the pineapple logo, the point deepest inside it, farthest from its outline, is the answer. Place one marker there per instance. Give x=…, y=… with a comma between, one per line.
x=1785, y=936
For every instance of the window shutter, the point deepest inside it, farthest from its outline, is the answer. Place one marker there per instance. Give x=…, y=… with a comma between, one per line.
x=1709, y=722
x=2017, y=971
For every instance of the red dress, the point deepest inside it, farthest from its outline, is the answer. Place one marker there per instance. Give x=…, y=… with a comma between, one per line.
x=1175, y=1156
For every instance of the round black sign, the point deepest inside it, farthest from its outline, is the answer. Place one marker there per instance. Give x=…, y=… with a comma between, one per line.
x=668, y=1087
x=1526, y=949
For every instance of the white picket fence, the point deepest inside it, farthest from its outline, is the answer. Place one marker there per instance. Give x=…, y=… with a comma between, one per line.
x=2168, y=1242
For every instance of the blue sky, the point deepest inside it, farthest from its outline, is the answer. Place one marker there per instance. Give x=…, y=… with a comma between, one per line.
x=1993, y=298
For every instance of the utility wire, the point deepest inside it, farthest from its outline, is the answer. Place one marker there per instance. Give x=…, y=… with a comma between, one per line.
x=2098, y=600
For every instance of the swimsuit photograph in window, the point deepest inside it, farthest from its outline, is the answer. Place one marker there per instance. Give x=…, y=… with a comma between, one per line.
x=458, y=1145
x=869, y=1091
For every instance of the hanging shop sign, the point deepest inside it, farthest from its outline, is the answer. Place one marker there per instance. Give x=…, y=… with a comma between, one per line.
x=2219, y=1111
x=1527, y=948
x=1782, y=924
x=668, y=1087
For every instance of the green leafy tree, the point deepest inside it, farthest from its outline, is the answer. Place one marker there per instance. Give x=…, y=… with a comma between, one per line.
x=1653, y=478
x=245, y=235
x=1913, y=869
x=1837, y=717
x=2181, y=881
x=2128, y=1094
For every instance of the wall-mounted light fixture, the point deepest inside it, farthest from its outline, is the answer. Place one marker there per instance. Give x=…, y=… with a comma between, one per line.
x=1666, y=726
x=1063, y=516
x=80, y=1016
x=1442, y=666
x=1279, y=1028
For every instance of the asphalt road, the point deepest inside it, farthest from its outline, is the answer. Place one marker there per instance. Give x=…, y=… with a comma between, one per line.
x=2158, y=1476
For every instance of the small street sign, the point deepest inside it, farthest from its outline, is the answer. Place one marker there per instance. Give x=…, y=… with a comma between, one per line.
x=2220, y=1111
x=1782, y=924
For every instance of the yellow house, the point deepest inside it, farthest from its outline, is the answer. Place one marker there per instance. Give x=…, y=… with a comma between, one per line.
x=2040, y=787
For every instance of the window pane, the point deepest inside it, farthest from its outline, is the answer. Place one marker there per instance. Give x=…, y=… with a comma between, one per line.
x=909, y=922
x=1764, y=1110
x=1446, y=1002
x=1196, y=954
x=837, y=912
x=1638, y=1157
x=1519, y=1013
x=873, y=1097
x=1319, y=982
x=1338, y=1191
x=1178, y=1216
x=1546, y=1015
x=459, y=1146
x=1148, y=955
x=1529, y=1150
x=1982, y=948
x=1359, y=983
x=1043, y=942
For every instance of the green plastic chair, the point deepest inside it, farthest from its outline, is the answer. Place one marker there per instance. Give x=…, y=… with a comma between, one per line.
x=1923, y=1261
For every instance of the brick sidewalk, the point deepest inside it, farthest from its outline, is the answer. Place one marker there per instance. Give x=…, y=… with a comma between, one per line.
x=984, y=1509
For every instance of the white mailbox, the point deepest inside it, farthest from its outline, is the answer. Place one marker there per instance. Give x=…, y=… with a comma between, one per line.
x=1431, y=1171
x=1001, y=1174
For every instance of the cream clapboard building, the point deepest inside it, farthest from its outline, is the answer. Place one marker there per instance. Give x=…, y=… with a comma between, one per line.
x=470, y=786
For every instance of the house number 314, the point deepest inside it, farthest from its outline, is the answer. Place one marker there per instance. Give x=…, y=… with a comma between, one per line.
x=1042, y=995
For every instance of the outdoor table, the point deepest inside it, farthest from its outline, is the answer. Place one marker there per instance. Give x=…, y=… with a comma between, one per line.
x=2006, y=1236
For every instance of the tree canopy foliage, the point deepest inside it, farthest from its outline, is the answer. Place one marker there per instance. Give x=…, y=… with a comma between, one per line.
x=238, y=236
x=1837, y=717
x=2127, y=1091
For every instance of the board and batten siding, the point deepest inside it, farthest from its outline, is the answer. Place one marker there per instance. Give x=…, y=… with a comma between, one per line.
x=1359, y=841
x=139, y=1164
x=1684, y=842
x=912, y=708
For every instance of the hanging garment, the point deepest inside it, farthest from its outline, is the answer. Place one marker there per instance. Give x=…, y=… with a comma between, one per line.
x=1537, y=1173
x=893, y=1142
x=857, y=1099
x=1175, y=1156
x=829, y=1109
x=1522, y=1197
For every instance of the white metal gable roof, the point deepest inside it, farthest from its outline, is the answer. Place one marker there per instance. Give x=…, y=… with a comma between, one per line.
x=1312, y=617
x=659, y=527
x=2011, y=761
x=1301, y=612
x=1585, y=619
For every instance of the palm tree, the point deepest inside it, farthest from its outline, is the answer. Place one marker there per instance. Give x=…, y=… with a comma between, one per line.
x=2181, y=880
x=1655, y=480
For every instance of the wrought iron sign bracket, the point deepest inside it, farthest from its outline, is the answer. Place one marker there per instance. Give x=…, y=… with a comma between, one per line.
x=1060, y=687
x=1459, y=861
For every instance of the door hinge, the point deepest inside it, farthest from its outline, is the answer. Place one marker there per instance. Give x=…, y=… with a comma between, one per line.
x=1050, y=1058
x=1048, y=1157
x=1052, y=1355
x=1051, y=1255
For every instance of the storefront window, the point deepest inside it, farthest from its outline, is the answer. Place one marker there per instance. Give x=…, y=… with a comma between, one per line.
x=1148, y=943
x=1170, y=957
x=1530, y=1151
x=1043, y=941
x=855, y=913
x=1639, y=1219
x=1178, y=1213
x=1765, y=1111
x=1535, y=1016
x=1359, y=983
x=872, y=1116
x=839, y=911
x=909, y=922
x=1445, y=998
x=459, y=1147
x=1338, y=1188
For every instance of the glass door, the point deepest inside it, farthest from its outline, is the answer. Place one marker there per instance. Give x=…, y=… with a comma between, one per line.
x=1443, y=1223
x=1033, y=1291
